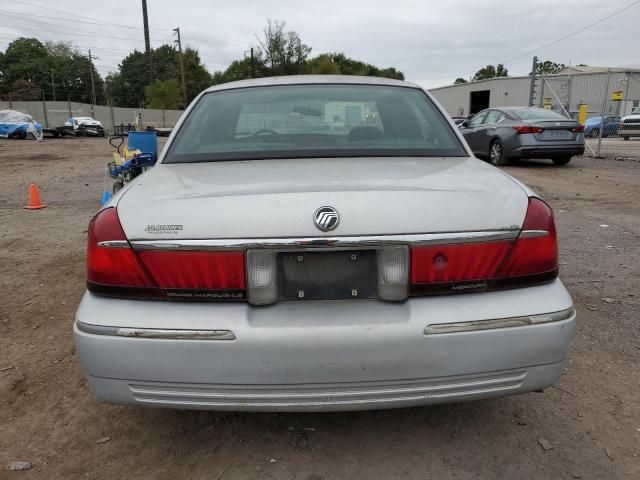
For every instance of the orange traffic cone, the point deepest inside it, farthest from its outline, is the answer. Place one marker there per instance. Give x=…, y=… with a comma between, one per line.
x=34, y=198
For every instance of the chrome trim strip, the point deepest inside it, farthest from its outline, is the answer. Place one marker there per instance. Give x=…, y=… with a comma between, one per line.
x=315, y=242
x=533, y=233
x=416, y=388
x=157, y=333
x=114, y=243
x=457, y=327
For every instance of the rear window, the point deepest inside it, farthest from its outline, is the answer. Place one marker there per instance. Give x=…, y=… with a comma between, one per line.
x=537, y=114
x=302, y=121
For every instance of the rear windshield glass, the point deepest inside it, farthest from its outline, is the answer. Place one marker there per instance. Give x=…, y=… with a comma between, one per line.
x=298, y=121
x=537, y=114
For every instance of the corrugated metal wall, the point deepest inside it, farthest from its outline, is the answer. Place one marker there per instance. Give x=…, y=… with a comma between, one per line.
x=570, y=90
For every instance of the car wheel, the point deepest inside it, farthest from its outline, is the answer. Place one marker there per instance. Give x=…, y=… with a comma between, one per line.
x=626, y=139
x=561, y=160
x=496, y=154
x=594, y=133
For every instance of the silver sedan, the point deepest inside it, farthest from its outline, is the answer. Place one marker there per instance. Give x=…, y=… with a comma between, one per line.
x=321, y=243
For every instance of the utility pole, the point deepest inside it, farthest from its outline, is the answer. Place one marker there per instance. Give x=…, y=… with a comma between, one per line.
x=147, y=42
x=605, y=98
x=251, y=69
x=93, y=86
x=53, y=86
x=183, y=80
x=532, y=82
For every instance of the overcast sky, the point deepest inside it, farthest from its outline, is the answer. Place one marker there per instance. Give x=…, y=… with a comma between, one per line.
x=431, y=41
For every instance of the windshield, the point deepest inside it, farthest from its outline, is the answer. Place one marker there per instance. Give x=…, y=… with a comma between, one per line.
x=636, y=111
x=301, y=121
x=537, y=114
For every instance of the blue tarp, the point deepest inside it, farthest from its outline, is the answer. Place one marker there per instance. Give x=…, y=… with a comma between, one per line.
x=18, y=123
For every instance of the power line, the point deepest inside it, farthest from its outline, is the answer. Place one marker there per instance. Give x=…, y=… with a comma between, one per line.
x=71, y=34
x=15, y=37
x=576, y=32
x=57, y=10
x=75, y=31
x=74, y=21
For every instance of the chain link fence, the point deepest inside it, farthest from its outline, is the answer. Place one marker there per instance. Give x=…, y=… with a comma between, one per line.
x=608, y=104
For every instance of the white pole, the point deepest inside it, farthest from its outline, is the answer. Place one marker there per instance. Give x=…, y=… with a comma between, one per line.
x=604, y=110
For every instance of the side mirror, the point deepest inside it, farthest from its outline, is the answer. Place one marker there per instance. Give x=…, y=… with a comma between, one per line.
x=463, y=124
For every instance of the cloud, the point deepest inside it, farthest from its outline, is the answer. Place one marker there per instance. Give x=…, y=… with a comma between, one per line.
x=432, y=42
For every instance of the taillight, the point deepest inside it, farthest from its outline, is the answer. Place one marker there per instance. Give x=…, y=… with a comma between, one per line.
x=204, y=275
x=115, y=269
x=112, y=266
x=578, y=129
x=520, y=129
x=534, y=256
x=463, y=267
x=531, y=259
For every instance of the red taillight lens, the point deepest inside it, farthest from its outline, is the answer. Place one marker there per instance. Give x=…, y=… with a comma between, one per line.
x=579, y=128
x=529, y=260
x=113, y=268
x=520, y=129
x=197, y=274
x=435, y=268
x=535, y=253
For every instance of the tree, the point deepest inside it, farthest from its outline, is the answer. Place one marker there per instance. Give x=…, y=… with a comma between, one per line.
x=198, y=77
x=28, y=66
x=25, y=59
x=3, y=82
x=459, y=80
x=491, y=72
x=548, y=67
x=324, y=65
x=283, y=52
x=126, y=87
x=24, y=90
x=339, y=63
x=71, y=71
x=164, y=94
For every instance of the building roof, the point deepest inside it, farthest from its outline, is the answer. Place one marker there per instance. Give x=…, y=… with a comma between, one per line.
x=591, y=69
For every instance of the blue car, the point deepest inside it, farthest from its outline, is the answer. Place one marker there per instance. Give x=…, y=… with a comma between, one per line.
x=610, y=128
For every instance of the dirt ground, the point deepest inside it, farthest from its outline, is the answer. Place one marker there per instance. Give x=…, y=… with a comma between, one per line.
x=591, y=420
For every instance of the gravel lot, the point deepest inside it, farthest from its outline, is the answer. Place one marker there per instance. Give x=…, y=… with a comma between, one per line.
x=587, y=427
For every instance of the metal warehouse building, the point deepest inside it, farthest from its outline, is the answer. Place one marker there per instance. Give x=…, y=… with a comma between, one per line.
x=571, y=87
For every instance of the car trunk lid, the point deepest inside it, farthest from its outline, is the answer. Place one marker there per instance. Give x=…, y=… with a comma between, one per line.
x=278, y=198
x=556, y=130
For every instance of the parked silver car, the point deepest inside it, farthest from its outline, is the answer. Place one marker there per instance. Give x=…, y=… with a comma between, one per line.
x=321, y=243
x=503, y=134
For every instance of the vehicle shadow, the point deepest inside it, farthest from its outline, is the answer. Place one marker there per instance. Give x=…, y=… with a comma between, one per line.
x=538, y=163
x=299, y=428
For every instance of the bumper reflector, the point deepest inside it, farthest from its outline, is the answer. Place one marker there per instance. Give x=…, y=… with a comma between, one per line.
x=459, y=327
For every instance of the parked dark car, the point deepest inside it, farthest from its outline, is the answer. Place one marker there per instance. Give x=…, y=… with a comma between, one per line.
x=503, y=134
x=610, y=126
x=459, y=119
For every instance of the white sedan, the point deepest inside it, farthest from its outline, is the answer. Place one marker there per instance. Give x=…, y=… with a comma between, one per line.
x=321, y=243
x=84, y=126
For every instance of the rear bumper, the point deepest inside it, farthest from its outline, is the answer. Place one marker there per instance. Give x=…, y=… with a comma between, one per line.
x=304, y=356
x=544, y=151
